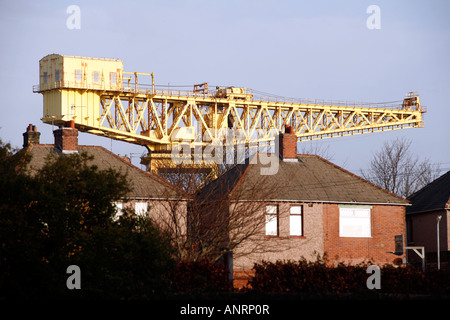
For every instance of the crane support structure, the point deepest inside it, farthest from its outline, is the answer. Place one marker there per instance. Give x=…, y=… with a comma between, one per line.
x=103, y=99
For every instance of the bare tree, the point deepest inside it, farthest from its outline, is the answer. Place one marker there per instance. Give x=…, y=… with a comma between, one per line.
x=321, y=150
x=396, y=169
x=233, y=215
x=221, y=215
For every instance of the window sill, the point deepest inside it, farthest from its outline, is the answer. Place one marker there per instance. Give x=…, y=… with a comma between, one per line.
x=351, y=237
x=287, y=237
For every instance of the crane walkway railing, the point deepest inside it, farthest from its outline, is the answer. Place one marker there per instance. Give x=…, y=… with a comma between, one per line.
x=174, y=91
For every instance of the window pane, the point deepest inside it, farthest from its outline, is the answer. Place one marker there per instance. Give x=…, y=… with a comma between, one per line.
x=296, y=210
x=113, y=77
x=119, y=210
x=295, y=224
x=45, y=77
x=354, y=222
x=271, y=225
x=271, y=209
x=140, y=208
x=57, y=75
x=78, y=75
x=96, y=77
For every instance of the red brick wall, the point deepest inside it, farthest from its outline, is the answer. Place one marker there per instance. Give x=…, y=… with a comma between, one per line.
x=386, y=222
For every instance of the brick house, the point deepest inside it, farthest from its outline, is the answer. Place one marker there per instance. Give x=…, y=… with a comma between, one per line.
x=427, y=205
x=149, y=194
x=309, y=207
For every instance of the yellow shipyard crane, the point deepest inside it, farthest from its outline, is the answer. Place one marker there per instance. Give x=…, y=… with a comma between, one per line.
x=104, y=100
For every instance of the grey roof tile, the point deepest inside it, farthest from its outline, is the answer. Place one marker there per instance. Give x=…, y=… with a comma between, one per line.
x=434, y=196
x=144, y=184
x=311, y=179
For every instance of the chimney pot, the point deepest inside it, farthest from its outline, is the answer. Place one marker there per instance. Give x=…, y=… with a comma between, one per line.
x=288, y=129
x=70, y=124
x=31, y=136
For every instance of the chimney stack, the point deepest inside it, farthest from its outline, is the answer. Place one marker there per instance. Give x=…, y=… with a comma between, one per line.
x=66, y=138
x=31, y=136
x=288, y=144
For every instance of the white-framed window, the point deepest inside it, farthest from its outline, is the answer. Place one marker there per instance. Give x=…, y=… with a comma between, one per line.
x=271, y=220
x=355, y=221
x=96, y=77
x=78, y=76
x=113, y=77
x=140, y=208
x=296, y=221
x=119, y=210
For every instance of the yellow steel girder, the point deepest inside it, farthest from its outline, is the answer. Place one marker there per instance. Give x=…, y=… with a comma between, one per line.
x=115, y=104
x=168, y=119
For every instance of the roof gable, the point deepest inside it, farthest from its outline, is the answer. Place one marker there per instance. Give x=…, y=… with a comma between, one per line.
x=434, y=196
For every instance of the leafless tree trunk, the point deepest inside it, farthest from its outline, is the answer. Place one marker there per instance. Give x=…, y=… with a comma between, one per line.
x=231, y=219
x=396, y=169
x=220, y=215
x=171, y=216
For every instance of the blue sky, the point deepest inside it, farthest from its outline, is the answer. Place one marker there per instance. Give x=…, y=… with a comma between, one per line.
x=302, y=49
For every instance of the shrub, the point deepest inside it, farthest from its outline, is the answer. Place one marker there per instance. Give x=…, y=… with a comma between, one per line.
x=307, y=277
x=321, y=279
x=63, y=215
x=199, y=277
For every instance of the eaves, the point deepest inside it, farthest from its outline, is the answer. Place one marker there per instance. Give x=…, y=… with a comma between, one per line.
x=326, y=201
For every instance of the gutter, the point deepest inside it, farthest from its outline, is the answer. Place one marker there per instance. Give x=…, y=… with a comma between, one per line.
x=153, y=199
x=428, y=210
x=327, y=201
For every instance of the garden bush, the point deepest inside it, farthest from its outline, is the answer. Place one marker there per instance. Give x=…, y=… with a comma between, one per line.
x=319, y=278
x=199, y=277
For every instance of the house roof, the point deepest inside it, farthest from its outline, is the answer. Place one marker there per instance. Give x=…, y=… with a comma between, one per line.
x=434, y=196
x=310, y=179
x=144, y=185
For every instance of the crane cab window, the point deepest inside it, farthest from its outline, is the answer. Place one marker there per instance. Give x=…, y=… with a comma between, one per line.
x=113, y=77
x=77, y=75
x=95, y=77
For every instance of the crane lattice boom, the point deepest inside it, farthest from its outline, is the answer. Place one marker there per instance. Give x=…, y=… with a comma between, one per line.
x=103, y=99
